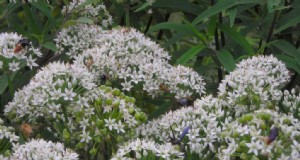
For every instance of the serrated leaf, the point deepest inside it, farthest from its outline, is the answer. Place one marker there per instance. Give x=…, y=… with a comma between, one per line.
x=226, y=60
x=50, y=45
x=190, y=54
x=287, y=48
x=237, y=37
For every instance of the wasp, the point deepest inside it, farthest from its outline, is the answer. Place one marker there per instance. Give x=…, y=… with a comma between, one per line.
x=164, y=88
x=272, y=135
x=21, y=44
x=176, y=141
x=186, y=101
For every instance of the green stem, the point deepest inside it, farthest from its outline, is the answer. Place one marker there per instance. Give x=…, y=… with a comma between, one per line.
x=10, y=86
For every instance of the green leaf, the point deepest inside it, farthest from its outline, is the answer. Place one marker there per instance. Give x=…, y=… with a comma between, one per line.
x=143, y=6
x=221, y=6
x=287, y=48
x=237, y=37
x=226, y=60
x=178, y=5
x=50, y=45
x=290, y=19
x=44, y=8
x=212, y=24
x=289, y=61
x=85, y=20
x=172, y=26
x=190, y=54
x=3, y=83
x=232, y=15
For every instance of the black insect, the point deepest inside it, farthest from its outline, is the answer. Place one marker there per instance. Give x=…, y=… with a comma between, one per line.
x=272, y=135
x=186, y=101
x=104, y=77
x=176, y=141
x=21, y=44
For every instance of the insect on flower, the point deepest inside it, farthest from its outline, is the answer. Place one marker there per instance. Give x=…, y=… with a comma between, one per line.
x=26, y=129
x=164, y=88
x=272, y=135
x=186, y=101
x=21, y=44
x=176, y=141
x=88, y=63
x=104, y=77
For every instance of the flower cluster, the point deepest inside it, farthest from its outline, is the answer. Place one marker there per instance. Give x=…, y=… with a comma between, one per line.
x=55, y=86
x=197, y=126
x=16, y=52
x=65, y=95
x=254, y=84
x=263, y=134
x=41, y=149
x=7, y=138
x=98, y=13
x=75, y=39
x=101, y=114
x=291, y=102
x=138, y=149
x=126, y=54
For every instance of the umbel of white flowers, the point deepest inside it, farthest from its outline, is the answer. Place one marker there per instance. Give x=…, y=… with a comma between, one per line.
x=126, y=54
x=15, y=50
x=41, y=149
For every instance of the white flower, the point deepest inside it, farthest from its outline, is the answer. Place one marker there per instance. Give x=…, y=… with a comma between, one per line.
x=254, y=146
x=15, y=53
x=41, y=149
x=119, y=127
x=14, y=66
x=127, y=55
x=110, y=123
x=142, y=148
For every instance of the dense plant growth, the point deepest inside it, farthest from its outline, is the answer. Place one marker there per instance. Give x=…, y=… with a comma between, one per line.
x=149, y=79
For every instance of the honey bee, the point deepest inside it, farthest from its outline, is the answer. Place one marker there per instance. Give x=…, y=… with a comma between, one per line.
x=26, y=129
x=164, y=88
x=21, y=44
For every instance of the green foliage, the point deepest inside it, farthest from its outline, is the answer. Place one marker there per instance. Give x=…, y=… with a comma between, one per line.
x=208, y=36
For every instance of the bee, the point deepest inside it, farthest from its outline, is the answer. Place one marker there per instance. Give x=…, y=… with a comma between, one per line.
x=186, y=101
x=26, y=129
x=21, y=44
x=164, y=88
x=104, y=77
x=177, y=141
x=272, y=135
x=126, y=30
x=88, y=63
